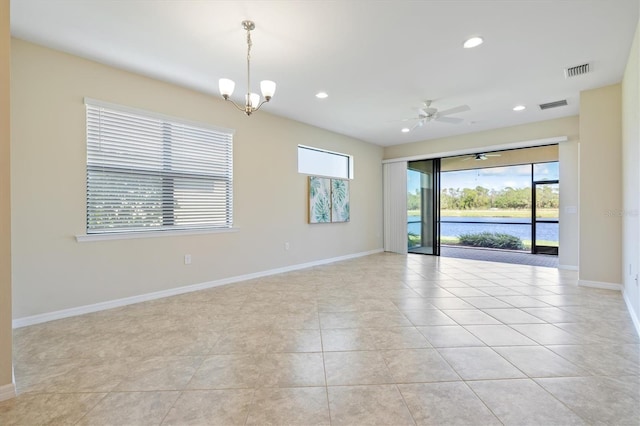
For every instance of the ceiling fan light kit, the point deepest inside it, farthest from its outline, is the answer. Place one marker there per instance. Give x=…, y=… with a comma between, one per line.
x=251, y=100
x=481, y=156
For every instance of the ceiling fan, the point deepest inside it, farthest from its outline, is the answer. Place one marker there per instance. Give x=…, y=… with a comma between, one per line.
x=427, y=113
x=480, y=156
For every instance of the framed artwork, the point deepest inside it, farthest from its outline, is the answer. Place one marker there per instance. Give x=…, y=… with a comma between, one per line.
x=328, y=200
x=339, y=200
x=319, y=199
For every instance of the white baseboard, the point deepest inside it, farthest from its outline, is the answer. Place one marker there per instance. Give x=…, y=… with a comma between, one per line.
x=599, y=284
x=632, y=312
x=568, y=267
x=80, y=310
x=7, y=391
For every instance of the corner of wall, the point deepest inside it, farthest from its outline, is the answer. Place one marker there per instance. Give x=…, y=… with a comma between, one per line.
x=7, y=389
x=7, y=392
x=635, y=316
x=629, y=212
x=601, y=199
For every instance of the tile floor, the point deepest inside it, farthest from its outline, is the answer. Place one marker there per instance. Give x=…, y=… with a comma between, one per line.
x=384, y=339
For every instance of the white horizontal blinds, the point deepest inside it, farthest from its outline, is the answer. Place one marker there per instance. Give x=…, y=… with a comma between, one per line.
x=395, y=207
x=148, y=173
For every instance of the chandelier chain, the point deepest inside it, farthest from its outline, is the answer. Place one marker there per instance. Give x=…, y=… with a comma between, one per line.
x=249, y=44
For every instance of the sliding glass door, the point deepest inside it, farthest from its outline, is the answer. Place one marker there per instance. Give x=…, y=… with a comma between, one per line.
x=423, y=206
x=546, y=201
x=545, y=208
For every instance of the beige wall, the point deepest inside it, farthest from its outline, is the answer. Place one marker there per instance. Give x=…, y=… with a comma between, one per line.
x=52, y=271
x=631, y=178
x=6, y=375
x=600, y=185
x=567, y=153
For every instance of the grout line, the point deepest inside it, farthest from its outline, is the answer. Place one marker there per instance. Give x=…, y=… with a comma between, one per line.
x=586, y=420
x=405, y=404
x=94, y=406
x=171, y=408
x=251, y=405
x=324, y=368
x=483, y=402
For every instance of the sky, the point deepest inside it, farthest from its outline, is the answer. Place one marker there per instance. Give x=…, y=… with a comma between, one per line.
x=495, y=178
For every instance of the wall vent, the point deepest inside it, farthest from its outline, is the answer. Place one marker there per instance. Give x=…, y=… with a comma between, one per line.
x=577, y=70
x=555, y=104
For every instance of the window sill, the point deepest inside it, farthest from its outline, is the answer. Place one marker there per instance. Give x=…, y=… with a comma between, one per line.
x=149, y=234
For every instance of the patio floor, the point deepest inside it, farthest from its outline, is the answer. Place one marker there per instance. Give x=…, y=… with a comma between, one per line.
x=502, y=256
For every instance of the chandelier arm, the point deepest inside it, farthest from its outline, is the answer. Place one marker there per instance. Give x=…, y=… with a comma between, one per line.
x=261, y=103
x=235, y=105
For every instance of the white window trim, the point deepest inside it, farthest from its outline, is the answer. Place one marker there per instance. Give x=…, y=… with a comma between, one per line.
x=85, y=238
x=350, y=159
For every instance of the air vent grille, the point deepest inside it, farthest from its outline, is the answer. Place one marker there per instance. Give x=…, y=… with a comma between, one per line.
x=577, y=70
x=555, y=104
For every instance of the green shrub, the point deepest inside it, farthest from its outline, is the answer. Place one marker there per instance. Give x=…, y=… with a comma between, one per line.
x=414, y=240
x=492, y=240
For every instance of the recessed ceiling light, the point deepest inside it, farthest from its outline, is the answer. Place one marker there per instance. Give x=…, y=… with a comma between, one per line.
x=519, y=108
x=473, y=42
x=322, y=95
x=405, y=130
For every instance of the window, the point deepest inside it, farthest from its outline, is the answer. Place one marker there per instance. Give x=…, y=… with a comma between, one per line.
x=546, y=171
x=316, y=161
x=147, y=172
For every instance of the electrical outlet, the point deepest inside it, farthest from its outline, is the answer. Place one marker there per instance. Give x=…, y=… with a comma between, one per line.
x=287, y=246
x=187, y=259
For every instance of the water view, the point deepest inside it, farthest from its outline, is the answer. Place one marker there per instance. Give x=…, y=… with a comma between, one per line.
x=453, y=227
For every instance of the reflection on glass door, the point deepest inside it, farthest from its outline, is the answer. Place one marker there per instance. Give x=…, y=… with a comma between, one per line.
x=423, y=210
x=546, y=202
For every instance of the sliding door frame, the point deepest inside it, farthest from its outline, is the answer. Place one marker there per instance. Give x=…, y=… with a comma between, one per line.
x=433, y=214
x=536, y=249
x=436, y=206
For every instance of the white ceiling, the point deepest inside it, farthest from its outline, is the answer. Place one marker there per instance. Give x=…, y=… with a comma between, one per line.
x=376, y=59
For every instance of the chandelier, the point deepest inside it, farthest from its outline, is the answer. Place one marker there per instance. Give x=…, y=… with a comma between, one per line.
x=252, y=100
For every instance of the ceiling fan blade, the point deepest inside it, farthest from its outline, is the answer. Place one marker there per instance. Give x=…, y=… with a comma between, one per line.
x=404, y=120
x=418, y=124
x=455, y=110
x=468, y=158
x=452, y=120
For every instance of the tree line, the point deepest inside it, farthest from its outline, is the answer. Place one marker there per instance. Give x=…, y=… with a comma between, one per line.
x=480, y=198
